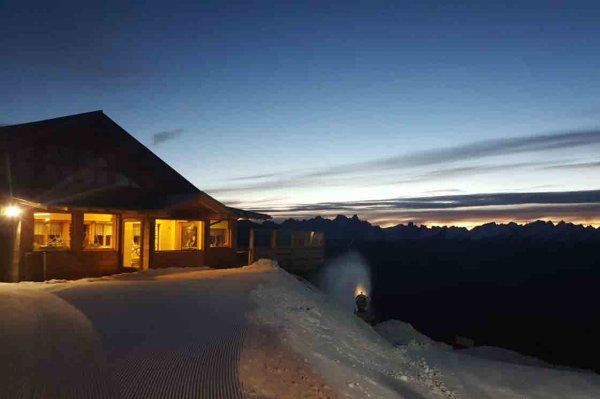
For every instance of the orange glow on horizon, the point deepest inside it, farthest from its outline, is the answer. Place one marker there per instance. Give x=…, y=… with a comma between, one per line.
x=470, y=224
x=468, y=217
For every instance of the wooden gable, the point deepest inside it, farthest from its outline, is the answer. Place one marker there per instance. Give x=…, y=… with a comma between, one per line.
x=87, y=160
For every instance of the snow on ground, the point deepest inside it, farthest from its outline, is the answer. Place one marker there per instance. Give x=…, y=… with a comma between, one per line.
x=176, y=333
x=47, y=347
x=490, y=372
x=358, y=362
x=77, y=338
x=505, y=355
x=349, y=353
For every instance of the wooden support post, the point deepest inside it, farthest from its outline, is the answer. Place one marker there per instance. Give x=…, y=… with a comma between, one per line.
x=44, y=265
x=233, y=233
x=273, y=244
x=151, y=242
x=251, y=247
x=206, y=242
x=147, y=225
x=120, y=243
x=26, y=245
x=14, y=271
x=77, y=231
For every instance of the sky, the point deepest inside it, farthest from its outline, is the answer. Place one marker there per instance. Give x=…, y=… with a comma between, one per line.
x=436, y=112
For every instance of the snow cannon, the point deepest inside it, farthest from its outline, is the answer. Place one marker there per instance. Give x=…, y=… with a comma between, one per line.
x=362, y=302
x=362, y=308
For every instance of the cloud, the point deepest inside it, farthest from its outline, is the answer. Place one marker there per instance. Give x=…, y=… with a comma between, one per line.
x=254, y=177
x=582, y=165
x=462, y=171
x=478, y=150
x=369, y=179
x=452, y=202
x=166, y=135
x=414, y=165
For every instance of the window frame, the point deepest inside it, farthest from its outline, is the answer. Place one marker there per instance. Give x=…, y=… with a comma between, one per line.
x=114, y=235
x=47, y=248
x=179, y=223
x=228, y=234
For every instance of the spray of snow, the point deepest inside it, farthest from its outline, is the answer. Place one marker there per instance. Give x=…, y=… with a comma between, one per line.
x=345, y=277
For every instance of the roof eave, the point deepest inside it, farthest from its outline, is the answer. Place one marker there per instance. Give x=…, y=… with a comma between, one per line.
x=244, y=214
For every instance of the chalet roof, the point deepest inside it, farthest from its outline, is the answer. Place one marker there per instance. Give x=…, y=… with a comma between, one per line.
x=89, y=160
x=241, y=213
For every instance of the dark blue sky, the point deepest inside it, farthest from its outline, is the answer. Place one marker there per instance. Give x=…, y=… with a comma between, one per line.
x=278, y=105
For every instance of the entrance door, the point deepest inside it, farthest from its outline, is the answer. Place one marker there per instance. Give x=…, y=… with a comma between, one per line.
x=132, y=244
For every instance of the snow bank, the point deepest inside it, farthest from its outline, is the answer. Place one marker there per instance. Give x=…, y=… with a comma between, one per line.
x=349, y=353
x=505, y=355
x=169, y=273
x=358, y=362
x=400, y=333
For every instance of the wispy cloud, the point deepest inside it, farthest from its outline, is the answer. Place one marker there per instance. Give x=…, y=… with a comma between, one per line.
x=582, y=165
x=453, y=201
x=463, y=160
x=166, y=135
x=364, y=180
x=254, y=177
x=462, y=171
x=479, y=150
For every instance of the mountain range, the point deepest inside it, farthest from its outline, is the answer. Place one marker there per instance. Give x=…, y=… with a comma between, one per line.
x=353, y=228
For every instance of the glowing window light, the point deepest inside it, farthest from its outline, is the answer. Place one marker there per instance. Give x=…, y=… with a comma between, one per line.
x=11, y=211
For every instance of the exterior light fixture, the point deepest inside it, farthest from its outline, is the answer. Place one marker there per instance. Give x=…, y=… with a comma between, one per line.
x=11, y=211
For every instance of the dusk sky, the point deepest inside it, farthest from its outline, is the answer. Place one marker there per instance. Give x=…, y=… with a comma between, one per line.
x=436, y=112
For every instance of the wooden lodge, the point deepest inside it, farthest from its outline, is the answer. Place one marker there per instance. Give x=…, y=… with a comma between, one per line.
x=299, y=252
x=82, y=197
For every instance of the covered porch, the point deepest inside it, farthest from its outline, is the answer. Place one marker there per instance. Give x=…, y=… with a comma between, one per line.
x=53, y=242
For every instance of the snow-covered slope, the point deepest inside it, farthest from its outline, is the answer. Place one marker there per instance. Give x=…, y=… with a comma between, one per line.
x=359, y=362
x=69, y=339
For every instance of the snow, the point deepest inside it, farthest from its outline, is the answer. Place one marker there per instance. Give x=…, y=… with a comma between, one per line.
x=354, y=358
x=505, y=355
x=399, y=333
x=52, y=348
x=394, y=360
x=45, y=339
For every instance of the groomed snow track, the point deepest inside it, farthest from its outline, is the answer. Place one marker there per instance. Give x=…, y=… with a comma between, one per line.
x=179, y=339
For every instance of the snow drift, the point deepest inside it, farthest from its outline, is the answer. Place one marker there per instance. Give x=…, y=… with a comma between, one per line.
x=394, y=360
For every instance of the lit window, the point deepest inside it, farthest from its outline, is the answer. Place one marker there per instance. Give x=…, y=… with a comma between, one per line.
x=175, y=235
x=51, y=231
x=316, y=239
x=98, y=231
x=219, y=233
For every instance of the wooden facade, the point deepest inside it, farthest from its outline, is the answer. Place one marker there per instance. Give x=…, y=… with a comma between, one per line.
x=93, y=201
x=299, y=252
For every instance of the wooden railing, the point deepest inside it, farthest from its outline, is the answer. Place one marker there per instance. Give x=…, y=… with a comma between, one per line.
x=298, y=252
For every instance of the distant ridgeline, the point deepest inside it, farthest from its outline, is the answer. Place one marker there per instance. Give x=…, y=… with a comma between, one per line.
x=344, y=228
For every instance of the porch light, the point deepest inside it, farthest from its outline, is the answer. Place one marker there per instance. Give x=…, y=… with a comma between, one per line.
x=11, y=211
